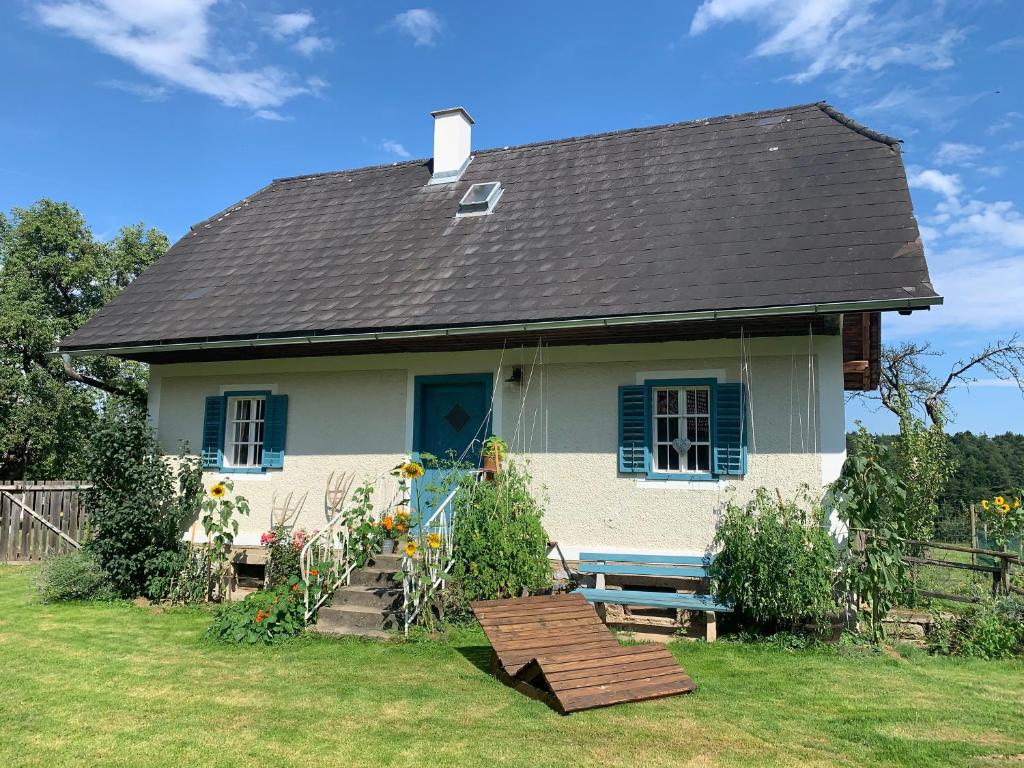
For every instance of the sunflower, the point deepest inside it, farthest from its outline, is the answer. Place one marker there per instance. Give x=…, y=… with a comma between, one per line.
x=411, y=470
x=434, y=540
x=985, y=504
x=218, y=491
x=1005, y=509
x=1016, y=503
x=999, y=500
x=410, y=548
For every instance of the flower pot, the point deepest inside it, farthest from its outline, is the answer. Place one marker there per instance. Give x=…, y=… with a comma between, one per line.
x=388, y=547
x=490, y=464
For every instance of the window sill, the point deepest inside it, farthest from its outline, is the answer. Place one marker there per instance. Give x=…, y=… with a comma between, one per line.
x=682, y=482
x=250, y=473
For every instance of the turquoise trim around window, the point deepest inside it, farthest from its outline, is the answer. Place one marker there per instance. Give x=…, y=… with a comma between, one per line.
x=224, y=469
x=649, y=386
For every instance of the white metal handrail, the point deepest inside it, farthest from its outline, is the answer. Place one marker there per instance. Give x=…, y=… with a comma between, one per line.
x=438, y=561
x=330, y=546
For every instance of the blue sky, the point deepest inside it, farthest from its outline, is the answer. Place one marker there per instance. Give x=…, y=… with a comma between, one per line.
x=166, y=111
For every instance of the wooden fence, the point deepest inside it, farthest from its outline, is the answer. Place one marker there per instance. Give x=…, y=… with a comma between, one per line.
x=39, y=518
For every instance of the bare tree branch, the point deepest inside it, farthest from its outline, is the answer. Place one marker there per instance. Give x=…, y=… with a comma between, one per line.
x=903, y=368
x=83, y=378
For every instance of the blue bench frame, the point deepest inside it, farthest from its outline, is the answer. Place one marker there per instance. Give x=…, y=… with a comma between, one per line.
x=601, y=564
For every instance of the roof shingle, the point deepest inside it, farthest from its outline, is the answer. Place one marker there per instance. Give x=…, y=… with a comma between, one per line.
x=780, y=208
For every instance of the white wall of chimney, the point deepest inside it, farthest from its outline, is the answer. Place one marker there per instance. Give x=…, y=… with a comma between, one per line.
x=452, y=143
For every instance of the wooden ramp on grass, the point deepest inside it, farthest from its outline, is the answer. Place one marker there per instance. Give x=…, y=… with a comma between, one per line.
x=556, y=648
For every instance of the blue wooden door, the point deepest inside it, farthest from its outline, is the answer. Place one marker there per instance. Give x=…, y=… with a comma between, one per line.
x=451, y=419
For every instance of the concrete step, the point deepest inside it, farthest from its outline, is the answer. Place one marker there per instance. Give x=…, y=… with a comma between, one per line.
x=358, y=617
x=383, y=598
x=386, y=562
x=373, y=576
x=340, y=630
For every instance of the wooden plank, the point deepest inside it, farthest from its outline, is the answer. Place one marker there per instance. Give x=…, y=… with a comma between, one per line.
x=611, y=679
x=614, y=667
x=593, y=699
x=572, y=663
x=5, y=530
x=678, y=571
x=610, y=557
x=950, y=564
x=541, y=619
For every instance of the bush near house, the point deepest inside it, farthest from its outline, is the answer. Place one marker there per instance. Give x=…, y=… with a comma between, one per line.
x=501, y=547
x=993, y=629
x=777, y=563
x=73, y=575
x=264, y=617
x=138, y=505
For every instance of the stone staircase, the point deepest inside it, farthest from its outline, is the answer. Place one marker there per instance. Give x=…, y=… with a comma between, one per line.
x=370, y=605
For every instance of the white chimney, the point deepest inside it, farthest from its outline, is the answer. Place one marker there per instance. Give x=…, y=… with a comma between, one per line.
x=452, y=132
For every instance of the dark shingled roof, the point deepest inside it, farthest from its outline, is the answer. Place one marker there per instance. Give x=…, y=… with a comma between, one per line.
x=786, y=207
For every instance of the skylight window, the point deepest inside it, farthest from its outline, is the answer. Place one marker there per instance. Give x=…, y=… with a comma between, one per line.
x=480, y=199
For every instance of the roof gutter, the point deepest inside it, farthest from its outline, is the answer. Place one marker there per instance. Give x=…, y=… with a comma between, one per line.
x=550, y=325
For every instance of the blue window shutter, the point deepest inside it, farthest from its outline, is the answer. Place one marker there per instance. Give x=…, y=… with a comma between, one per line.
x=730, y=429
x=213, y=432
x=632, y=429
x=275, y=427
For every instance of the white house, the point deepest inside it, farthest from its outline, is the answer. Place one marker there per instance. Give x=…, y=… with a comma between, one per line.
x=653, y=318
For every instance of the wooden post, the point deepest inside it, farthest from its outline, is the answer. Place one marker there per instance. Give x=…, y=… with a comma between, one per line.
x=974, y=533
x=710, y=626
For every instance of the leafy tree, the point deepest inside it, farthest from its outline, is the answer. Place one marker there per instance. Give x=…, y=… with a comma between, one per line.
x=54, y=275
x=138, y=505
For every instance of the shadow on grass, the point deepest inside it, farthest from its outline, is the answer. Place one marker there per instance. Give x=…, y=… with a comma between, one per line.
x=477, y=655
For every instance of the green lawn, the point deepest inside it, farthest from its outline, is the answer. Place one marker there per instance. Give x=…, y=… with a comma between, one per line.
x=116, y=684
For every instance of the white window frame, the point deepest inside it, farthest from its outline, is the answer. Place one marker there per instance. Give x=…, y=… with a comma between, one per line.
x=257, y=434
x=683, y=416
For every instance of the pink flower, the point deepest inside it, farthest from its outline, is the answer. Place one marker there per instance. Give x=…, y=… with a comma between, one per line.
x=268, y=538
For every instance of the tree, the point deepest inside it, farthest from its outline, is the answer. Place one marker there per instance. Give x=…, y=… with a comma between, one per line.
x=903, y=368
x=53, y=277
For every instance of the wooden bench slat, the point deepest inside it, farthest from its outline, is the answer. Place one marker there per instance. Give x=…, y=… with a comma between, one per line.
x=615, y=557
x=680, y=571
x=655, y=599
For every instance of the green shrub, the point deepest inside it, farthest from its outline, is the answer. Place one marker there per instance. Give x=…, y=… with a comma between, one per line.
x=776, y=565
x=501, y=547
x=284, y=553
x=993, y=629
x=74, y=575
x=138, y=506
x=266, y=616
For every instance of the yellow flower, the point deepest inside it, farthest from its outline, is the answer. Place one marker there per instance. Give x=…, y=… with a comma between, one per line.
x=999, y=500
x=218, y=491
x=1004, y=509
x=412, y=470
x=434, y=540
x=1016, y=503
x=984, y=504
x=410, y=548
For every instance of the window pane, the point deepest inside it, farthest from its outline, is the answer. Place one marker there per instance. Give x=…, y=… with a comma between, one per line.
x=662, y=398
x=261, y=406
x=258, y=455
x=673, y=429
x=704, y=457
x=242, y=409
x=691, y=429
x=703, y=429
x=662, y=430
x=691, y=458
x=700, y=401
x=673, y=401
x=662, y=457
x=673, y=459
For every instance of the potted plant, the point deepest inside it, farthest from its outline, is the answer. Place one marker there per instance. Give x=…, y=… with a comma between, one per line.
x=494, y=450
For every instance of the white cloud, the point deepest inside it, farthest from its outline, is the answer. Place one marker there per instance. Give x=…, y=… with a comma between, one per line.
x=999, y=222
x=975, y=298
x=144, y=91
x=838, y=35
x=1007, y=121
x=171, y=41
x=947, y=184
x=294, y=28
x=394, y=148
x=270, y=114
x=954, y=153
x=284, y=25
x=421, y=24
x=310, y=44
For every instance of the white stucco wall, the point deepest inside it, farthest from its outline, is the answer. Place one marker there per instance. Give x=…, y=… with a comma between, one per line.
x=354, y=414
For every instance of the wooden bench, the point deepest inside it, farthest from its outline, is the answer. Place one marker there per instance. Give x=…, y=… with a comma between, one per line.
x=555, y=648
x=601, y=564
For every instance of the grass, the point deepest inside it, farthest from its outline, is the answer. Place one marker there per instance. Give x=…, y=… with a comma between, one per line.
x=120, y=685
